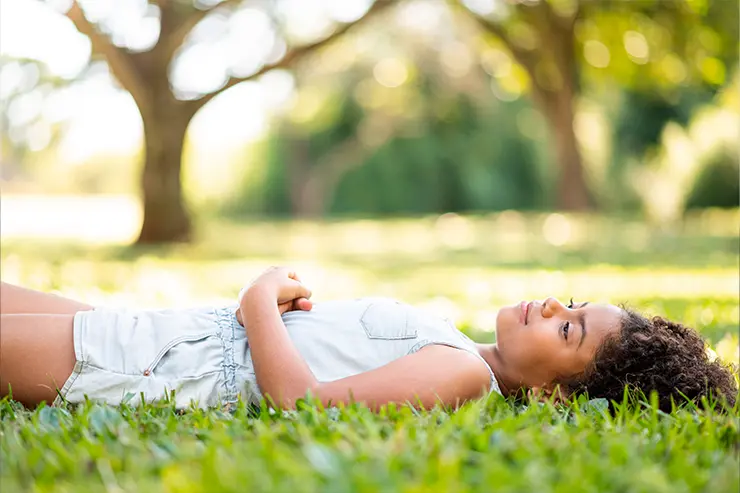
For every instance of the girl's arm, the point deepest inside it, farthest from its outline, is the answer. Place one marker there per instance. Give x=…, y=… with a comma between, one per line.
x=434, y=374
x=282, y=373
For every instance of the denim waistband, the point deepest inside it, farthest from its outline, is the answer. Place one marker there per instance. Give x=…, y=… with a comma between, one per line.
x=229, y=326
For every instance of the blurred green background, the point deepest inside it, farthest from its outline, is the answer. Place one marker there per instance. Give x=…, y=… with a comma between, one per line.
x=459, y=155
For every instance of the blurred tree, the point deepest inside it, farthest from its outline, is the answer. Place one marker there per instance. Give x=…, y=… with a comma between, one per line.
x=638, y=126
x=453, y=166
x=22, y=127
x=421, y=147
x=146, y=76
x=649, y=45
x=717, y=184
x=405, y=125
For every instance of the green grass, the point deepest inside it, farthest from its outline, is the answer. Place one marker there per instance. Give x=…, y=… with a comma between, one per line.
x=688, y=273
x=486, y=446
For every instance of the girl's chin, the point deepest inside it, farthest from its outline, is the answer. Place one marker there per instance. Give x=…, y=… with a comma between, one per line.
x=503, y=320
x=508, y=315
x=507, y=320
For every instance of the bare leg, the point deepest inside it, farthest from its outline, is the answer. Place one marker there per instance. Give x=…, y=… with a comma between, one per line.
x=36, y=356
x=15, y=299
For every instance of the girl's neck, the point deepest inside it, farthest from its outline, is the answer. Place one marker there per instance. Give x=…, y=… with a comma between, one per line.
x=489, y=352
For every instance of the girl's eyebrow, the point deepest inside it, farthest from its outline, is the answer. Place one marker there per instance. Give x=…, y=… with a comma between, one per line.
x=582, y=321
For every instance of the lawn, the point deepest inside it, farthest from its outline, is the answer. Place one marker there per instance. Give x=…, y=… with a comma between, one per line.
x=462, y=267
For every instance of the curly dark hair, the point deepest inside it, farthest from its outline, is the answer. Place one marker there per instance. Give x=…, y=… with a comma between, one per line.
x=655, y=355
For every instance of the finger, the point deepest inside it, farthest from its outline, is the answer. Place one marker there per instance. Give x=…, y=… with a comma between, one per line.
x=285, y=307
x=298, y=304
x=301, y=291
x=291, y=291
x=303, y=304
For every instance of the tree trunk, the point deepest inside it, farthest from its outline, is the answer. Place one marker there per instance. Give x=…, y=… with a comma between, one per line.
x=314, y=189
x=165, y=217
x=555, y=80
x=556, y=86
x=572, y=189
x=299, y=169
x=315, y=194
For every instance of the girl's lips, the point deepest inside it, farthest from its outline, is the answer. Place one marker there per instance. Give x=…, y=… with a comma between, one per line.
x=523, y=309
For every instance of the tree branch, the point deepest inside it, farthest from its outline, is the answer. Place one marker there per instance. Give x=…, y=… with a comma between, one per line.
x=294, y=55
x=120, y=62
x=557, y=34
x=527, y=59
x=173, y=37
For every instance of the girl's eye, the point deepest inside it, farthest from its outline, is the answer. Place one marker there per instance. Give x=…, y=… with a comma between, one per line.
x=570, y=304
x=565, y=330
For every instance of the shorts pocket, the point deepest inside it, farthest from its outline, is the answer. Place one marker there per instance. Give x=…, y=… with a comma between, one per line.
x=388, y=320
x=187, y=356
x=168, y=343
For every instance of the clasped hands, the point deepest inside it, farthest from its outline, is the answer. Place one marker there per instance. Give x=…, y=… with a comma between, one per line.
x=280, y=285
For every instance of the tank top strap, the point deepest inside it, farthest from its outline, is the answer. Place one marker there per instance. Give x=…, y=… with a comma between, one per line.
x=440, y=331
x=493, y=383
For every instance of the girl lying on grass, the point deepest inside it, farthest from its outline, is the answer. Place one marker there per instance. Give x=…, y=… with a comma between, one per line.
x=277, y=344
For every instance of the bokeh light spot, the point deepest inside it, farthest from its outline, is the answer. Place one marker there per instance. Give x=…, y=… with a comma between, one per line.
x=455, y=231
x=496, y=63
x=637, y=47
x=713, y=71
x=456, y=59
x=390, y=72
x=596, y=53
x=556, y=230
x=673, y=68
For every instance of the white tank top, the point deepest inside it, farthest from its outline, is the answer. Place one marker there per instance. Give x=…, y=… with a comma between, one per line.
x=339, y=339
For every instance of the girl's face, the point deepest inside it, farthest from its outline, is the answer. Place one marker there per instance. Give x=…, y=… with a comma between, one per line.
x=540, y=341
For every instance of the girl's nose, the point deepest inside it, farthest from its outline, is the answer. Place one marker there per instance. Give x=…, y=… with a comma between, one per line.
x=551, y=306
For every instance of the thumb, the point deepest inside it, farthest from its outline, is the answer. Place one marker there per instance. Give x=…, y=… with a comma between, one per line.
x=303, y=304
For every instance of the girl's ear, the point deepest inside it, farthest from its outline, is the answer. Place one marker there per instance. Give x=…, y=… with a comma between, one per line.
x=551, y=393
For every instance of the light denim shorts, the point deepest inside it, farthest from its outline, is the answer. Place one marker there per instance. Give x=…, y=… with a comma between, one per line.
x=126, y=354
